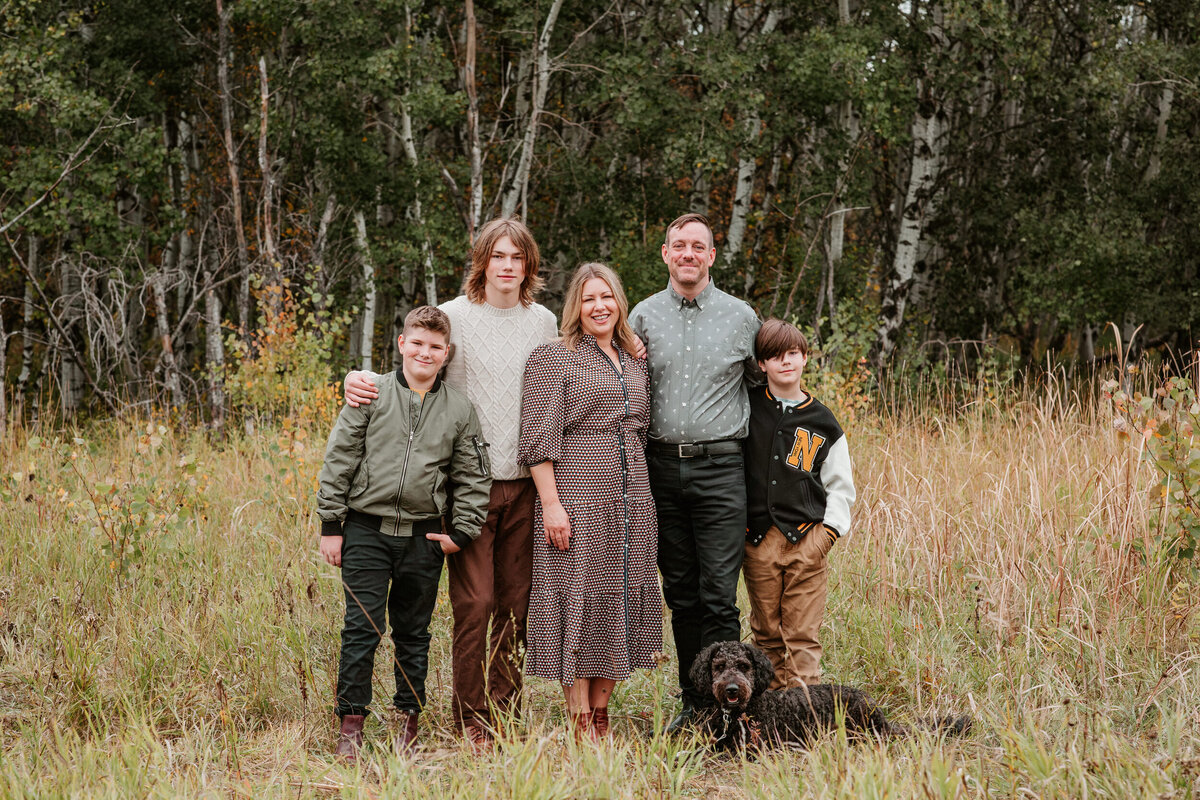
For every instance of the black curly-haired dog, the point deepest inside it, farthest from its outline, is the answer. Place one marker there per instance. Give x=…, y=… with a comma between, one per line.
x=739, y=711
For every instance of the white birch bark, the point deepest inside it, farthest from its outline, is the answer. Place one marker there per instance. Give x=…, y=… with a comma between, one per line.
x=518, y=190
x=743, y=188
x=267, y=219
x=473, y=147
x=3, y=371
x=163, y=330
x=27, y=323
x=317, y=254
x=927, y=146
x=747, y=164
x=418, y=217
x=1165, y=100
x=367, y=340
x=214, y=346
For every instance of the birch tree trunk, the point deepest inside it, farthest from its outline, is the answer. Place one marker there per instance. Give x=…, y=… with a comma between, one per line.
x=3, y=371
x=367, y=338
x=768, y=197
x=162, y=327
x=473, y=147
x=214, y=347
x=418, y=218
x=744, y=186
x=27, y=325
x=317, y=254
x=747, y=163
x=1165, y=100
x=70, y=374
x=518, y=189
x=927, y=150
x=274, y=280
x=235, y=190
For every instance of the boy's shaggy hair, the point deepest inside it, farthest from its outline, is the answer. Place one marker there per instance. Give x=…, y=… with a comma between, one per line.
x=481, y=253
x=430, y=318
x=777, y=337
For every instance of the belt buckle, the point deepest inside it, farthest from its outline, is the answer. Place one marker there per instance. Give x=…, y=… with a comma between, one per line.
x=690, y=450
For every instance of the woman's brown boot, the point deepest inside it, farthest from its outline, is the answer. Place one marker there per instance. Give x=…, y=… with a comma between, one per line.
x=600, y=722
x=581, y=725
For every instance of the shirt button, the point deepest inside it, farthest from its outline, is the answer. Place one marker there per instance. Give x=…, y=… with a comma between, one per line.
x=776, y=458
x=773, y=483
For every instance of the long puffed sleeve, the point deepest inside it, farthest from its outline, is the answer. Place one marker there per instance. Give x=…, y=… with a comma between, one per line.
x=542, y=412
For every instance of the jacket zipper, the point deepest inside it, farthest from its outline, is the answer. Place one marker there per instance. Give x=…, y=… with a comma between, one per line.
x=412, y=432
x=479, y=454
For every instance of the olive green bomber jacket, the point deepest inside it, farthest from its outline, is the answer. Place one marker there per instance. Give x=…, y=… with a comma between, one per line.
x=393, y=458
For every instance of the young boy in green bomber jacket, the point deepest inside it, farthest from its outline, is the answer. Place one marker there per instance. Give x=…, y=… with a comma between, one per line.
x=381, y=498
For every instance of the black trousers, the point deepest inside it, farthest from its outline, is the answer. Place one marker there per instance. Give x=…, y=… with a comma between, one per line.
x=701, y=505
x=413, y=567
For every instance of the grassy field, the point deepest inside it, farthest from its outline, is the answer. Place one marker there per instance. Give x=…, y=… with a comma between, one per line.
x=994, y=571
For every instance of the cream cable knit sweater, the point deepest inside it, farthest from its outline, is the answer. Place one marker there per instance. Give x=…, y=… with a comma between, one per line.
x=491, y=346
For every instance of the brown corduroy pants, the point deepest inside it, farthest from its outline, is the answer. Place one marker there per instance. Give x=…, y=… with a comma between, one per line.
x=788, y=584
x=489, y=589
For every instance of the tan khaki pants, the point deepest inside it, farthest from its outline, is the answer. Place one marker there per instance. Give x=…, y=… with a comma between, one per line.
x=788, y=584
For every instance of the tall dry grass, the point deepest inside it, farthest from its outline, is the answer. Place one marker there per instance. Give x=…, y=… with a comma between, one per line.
x=993, y=571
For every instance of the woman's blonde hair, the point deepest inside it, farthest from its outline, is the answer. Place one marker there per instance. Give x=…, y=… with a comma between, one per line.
x=572, y=327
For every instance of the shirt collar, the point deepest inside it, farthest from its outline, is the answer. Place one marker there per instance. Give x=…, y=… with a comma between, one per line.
x=701, y=299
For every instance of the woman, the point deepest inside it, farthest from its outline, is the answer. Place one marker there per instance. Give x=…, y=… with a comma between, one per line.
x=595, y=612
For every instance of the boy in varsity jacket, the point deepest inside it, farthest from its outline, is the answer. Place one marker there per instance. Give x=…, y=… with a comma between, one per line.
x=799, y=491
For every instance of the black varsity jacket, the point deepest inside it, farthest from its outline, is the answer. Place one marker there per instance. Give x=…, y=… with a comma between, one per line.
x=797, y=469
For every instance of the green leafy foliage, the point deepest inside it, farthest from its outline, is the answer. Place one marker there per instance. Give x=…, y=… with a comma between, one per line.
x=1164, y=425
x=283, y=367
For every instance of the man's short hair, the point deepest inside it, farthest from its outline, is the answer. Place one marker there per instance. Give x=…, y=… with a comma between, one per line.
x=777, y=337
x=686, y=219
x=476, y=281
x=430, y=318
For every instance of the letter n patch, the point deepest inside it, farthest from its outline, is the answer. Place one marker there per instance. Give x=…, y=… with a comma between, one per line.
x=806, y=446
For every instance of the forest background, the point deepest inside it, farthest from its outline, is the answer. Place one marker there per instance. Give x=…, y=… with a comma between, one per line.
x=986, y=213
x=190, y=185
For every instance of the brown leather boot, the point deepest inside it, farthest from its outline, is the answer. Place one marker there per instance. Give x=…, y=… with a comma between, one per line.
x=600, y=722
x=408, y=733
x=581, y=726
x=350, y=738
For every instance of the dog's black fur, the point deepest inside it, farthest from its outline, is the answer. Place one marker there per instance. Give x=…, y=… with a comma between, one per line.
x=739, y=711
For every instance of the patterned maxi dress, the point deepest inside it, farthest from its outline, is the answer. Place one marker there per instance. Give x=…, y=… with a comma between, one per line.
x=596, y=608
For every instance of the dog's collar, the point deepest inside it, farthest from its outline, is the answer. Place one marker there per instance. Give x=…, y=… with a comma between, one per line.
x=740, y=738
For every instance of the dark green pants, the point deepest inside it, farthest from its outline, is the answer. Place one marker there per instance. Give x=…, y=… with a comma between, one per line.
x=392, y=575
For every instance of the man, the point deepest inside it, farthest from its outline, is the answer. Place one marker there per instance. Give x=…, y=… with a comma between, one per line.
x=495, y=325
x=700, y=343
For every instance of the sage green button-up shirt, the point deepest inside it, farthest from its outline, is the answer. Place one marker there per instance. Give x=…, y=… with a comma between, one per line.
x=699, y=352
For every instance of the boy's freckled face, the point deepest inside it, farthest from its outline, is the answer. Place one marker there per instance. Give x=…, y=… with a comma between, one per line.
x=785, y=369
x=424, y=353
